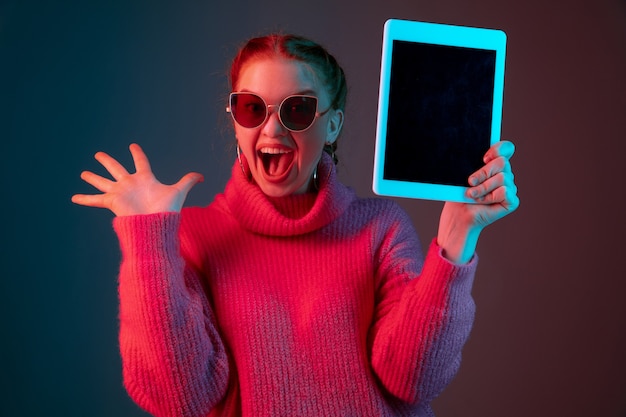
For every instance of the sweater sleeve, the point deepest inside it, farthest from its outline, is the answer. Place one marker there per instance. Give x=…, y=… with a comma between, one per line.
x=423, y=317
x=174, y=362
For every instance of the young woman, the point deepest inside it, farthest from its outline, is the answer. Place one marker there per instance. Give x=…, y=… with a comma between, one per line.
x=288, y=295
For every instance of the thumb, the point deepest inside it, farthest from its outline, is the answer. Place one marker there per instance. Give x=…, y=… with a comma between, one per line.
x=188, y=181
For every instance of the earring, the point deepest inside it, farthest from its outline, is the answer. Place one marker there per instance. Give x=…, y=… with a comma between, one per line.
x=316, y=184
x=240, y=162
x=329, y=148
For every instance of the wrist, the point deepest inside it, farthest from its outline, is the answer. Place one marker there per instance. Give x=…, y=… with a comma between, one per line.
x=458, y=244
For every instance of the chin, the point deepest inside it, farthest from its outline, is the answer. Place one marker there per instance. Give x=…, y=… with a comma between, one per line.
x=280, y=190
x=277, y=191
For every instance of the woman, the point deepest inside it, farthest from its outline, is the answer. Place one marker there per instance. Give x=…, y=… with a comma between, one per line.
x=288, y=295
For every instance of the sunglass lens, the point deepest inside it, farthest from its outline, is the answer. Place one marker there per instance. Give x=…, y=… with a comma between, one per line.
x=298, y=112
x=247, y=109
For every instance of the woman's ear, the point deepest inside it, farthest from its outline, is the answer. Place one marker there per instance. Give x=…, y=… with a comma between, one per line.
x=335, y=123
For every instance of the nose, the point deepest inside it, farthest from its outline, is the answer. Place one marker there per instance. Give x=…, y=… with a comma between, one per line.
x=273, y=127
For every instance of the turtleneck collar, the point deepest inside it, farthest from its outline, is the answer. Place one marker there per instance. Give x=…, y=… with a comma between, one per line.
x=291, y=215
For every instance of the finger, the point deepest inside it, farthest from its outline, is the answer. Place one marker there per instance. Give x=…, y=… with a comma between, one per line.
x=97, y=200
x=486, y=186
x=500, y=179
x=505, y=195
x=115, y=168
x=96, y=181
x=188, y=181
x=139, y=158
x=503, y=148
x=490, y=169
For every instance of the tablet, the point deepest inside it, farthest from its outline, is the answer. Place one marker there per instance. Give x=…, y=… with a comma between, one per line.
x=439, y=108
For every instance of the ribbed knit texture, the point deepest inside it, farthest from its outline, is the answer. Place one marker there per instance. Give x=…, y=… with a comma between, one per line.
x=311, y=305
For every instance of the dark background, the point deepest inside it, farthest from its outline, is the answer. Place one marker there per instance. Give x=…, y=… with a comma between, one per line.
x=78, y=77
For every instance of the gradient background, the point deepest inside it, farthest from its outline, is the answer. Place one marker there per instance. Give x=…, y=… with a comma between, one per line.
x=78, y=77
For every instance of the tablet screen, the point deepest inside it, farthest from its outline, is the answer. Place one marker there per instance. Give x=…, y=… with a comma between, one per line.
x=440, y=110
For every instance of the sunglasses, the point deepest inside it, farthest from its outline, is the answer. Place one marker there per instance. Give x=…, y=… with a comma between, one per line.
x=296, y=113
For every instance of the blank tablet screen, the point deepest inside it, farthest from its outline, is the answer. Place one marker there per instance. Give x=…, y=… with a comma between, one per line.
x=440, y=112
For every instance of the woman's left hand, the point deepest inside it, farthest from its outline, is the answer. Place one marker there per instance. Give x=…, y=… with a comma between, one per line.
x=493, y=189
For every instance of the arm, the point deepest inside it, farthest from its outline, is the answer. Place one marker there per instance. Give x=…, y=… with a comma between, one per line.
x=422, y=324
x=423, y=316
x=174, y=362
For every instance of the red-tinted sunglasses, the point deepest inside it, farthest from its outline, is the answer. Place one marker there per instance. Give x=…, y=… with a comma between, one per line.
x=296, y=113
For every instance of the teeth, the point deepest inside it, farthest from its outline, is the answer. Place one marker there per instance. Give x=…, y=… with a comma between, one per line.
x=274, y=151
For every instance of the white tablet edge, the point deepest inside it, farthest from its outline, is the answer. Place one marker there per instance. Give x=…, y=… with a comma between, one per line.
x=438, y=34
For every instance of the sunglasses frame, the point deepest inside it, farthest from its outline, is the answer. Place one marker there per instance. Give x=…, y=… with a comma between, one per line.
x=278, y=108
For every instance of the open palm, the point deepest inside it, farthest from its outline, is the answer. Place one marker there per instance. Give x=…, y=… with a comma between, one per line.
x=138, y=193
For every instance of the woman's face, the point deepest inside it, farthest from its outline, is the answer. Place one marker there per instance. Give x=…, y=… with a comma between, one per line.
x=282, y=162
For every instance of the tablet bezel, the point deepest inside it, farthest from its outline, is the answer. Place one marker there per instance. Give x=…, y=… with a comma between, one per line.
x=436, y=34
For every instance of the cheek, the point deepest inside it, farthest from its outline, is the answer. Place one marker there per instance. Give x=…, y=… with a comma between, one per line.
x=311, y=146
x=320, y=136
x=245, y=139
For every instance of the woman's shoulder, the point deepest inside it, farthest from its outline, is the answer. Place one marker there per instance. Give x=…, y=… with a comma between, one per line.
x=378, y=214
x=194, y=216
x=378, y=206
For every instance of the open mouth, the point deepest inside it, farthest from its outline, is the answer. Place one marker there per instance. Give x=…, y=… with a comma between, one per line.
x=276, y=161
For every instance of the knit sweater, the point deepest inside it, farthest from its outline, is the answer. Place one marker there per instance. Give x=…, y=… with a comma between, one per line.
x=320, y=304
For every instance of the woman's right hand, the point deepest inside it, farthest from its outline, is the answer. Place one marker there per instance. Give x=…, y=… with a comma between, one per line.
x=138, y=193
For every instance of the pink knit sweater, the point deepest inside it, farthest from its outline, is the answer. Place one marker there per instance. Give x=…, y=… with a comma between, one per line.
x=312, y=305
